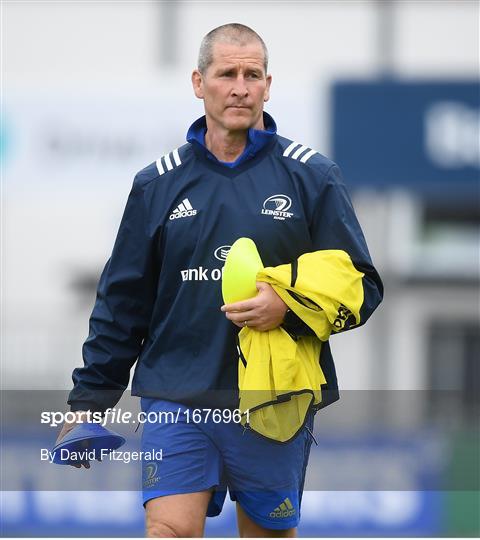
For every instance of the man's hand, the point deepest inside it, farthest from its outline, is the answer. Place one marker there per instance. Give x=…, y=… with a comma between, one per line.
x=264, y=312
x=68, y=426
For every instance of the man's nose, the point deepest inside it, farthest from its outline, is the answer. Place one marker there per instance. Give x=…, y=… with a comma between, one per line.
x=240, y=88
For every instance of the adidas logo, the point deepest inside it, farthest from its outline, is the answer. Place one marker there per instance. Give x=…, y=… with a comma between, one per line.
x=283, y=510
x=184, y=209
x=300, y=150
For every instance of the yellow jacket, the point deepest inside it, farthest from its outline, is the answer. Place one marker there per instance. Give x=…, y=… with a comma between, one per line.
x=279, y=376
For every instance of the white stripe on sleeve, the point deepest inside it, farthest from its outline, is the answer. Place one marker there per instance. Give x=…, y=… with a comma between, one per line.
x=299, y=151
x=160, y=166
x=308, y=155
x=176, y=157
x=168, y=163
x=290, y=148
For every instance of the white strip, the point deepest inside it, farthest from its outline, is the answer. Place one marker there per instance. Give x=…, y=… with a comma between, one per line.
x=159, y=166
x=290, y=148
x=299, y=151
x=181, y=207
x=176, y=211
x=176, y=157
x=187, y=204
x=168, y=163
x=307, y=156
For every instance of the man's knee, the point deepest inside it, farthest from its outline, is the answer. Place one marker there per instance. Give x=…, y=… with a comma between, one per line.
x=163, y=529
x=177, y=516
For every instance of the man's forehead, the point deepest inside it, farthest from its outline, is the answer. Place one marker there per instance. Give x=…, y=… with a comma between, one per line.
x=227, y=53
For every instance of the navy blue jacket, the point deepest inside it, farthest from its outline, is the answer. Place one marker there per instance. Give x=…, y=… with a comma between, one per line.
x=159, y=296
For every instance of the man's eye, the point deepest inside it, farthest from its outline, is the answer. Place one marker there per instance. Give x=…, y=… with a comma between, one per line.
x=254, y=75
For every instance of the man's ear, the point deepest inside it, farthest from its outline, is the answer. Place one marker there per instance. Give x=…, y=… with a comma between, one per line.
x=197, y=83
x=266, y=95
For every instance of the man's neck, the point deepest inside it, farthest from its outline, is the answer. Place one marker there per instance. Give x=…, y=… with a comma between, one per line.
x=226, y=145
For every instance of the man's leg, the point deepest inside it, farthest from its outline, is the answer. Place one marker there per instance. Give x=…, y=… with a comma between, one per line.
x=173, y=516
x=265, y=478
x=178, y=486
x=249, y=529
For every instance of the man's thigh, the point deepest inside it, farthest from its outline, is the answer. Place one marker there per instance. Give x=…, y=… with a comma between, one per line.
x=181, y=515
x=189, y=462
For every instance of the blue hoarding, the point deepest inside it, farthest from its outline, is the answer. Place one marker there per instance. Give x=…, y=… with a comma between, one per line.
x=402, y=473
x=420, y=135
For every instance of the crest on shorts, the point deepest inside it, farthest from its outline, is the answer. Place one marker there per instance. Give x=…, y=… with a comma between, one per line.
x=150, y=474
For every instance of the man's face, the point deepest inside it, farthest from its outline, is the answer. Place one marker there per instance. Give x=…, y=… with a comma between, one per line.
x=234, y=87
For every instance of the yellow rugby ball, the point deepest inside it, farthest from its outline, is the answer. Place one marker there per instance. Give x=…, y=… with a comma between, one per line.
x=240, y=271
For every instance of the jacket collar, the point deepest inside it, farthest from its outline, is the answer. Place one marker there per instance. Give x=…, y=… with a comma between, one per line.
x=256, y=139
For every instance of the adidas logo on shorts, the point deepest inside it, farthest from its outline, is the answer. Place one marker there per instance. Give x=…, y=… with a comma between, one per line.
x=283, y=510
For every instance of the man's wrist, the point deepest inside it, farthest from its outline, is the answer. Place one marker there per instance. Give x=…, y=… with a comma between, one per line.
x=85, y=406
x=80, y=417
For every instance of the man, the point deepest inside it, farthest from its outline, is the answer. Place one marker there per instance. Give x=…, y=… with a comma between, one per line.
x=159, y=296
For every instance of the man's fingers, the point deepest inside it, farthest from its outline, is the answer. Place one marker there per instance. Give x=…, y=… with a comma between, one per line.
x=244, y=305
x=241, y=317
x=80, y=464
x=242, y=324
x=66, y=428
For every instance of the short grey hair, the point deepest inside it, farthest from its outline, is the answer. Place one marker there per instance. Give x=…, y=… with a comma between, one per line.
x=235, y=33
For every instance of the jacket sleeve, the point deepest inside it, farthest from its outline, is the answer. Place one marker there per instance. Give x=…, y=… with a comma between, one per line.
x=121, y=315
x=334, y=226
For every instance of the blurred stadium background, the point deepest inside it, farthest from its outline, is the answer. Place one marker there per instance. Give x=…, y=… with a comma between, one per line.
x=94, y=91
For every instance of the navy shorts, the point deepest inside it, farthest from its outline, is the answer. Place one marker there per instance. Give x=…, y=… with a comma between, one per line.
x=200, y=453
